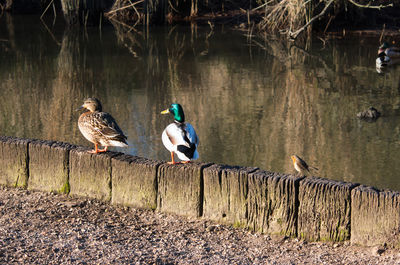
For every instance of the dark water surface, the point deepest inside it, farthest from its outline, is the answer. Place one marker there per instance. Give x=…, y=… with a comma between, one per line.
x=253, y=103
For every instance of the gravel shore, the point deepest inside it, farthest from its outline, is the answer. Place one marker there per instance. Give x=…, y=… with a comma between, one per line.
x=45, y=228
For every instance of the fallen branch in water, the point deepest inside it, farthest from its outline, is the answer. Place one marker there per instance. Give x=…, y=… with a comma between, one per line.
x=125, y=7
x=137, y=13
x=51, y=34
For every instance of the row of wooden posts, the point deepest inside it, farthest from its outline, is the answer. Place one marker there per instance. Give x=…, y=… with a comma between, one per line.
x=310, y=208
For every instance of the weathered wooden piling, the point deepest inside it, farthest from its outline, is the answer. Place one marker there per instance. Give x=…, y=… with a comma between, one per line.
x=225, y=194
x=14, y=167
x=134, y=181
x=90, y=174
x=272, y=203
x=180, y=189
x=375, y=217
x=324, y=209
x=49, y=166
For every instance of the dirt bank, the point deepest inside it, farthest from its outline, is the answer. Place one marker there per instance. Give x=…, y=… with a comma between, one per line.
x=43, y=228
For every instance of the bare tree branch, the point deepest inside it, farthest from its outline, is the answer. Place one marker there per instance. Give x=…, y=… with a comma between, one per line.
x=294, y=35
x=44, y=12
x=124, y=7
x=369, y=6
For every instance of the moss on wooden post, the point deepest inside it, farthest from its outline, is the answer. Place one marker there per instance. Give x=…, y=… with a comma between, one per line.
x=90, y=174
x=180, y=189
x=134, y=181
x=14, y=168
x=49, y=166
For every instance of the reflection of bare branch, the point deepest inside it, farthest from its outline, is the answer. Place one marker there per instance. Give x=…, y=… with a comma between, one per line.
x=124, y=25
x=327, y=24
x=177, y=51
x=171, y=31
x=323, y=42
x=275, y=49
x=51, y=34
x=172, y=7
x=211, y=31
x=322, y=61
x=55, y=13
x=127, y=38
x=382, y=33
x=278, y=56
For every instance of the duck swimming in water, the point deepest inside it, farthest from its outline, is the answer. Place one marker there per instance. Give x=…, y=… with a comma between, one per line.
x=180, y=137
x=100, y=127
x=388, y=50
x=383, y=61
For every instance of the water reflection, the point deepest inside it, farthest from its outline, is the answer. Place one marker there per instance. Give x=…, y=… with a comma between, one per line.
x=253, y=103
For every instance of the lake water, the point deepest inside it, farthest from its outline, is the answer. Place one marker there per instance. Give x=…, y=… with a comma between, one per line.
x=252, y=102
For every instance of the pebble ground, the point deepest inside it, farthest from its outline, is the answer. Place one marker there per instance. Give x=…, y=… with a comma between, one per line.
x=46, y=228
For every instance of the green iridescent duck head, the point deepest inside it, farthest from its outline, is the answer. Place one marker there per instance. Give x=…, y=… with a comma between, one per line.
x=384, y=45
x=177, y=111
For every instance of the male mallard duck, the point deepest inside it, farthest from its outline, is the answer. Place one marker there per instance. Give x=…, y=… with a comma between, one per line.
x=391, y=51
x=300, y=165
x=100, y=127
x=383, y=60
x=180, y=137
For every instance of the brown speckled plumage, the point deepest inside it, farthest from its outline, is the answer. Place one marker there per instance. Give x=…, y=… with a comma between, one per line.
x=100, y=127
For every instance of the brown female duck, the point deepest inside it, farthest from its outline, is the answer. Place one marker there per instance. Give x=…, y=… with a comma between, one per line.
x=100, y=127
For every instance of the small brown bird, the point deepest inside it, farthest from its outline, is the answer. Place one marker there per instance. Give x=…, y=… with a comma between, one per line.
x=100, y=127
x=300, y=165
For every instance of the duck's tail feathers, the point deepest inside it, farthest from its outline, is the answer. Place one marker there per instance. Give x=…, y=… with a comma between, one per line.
x=187, y=151
x=119, y=138
x=118, y=143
